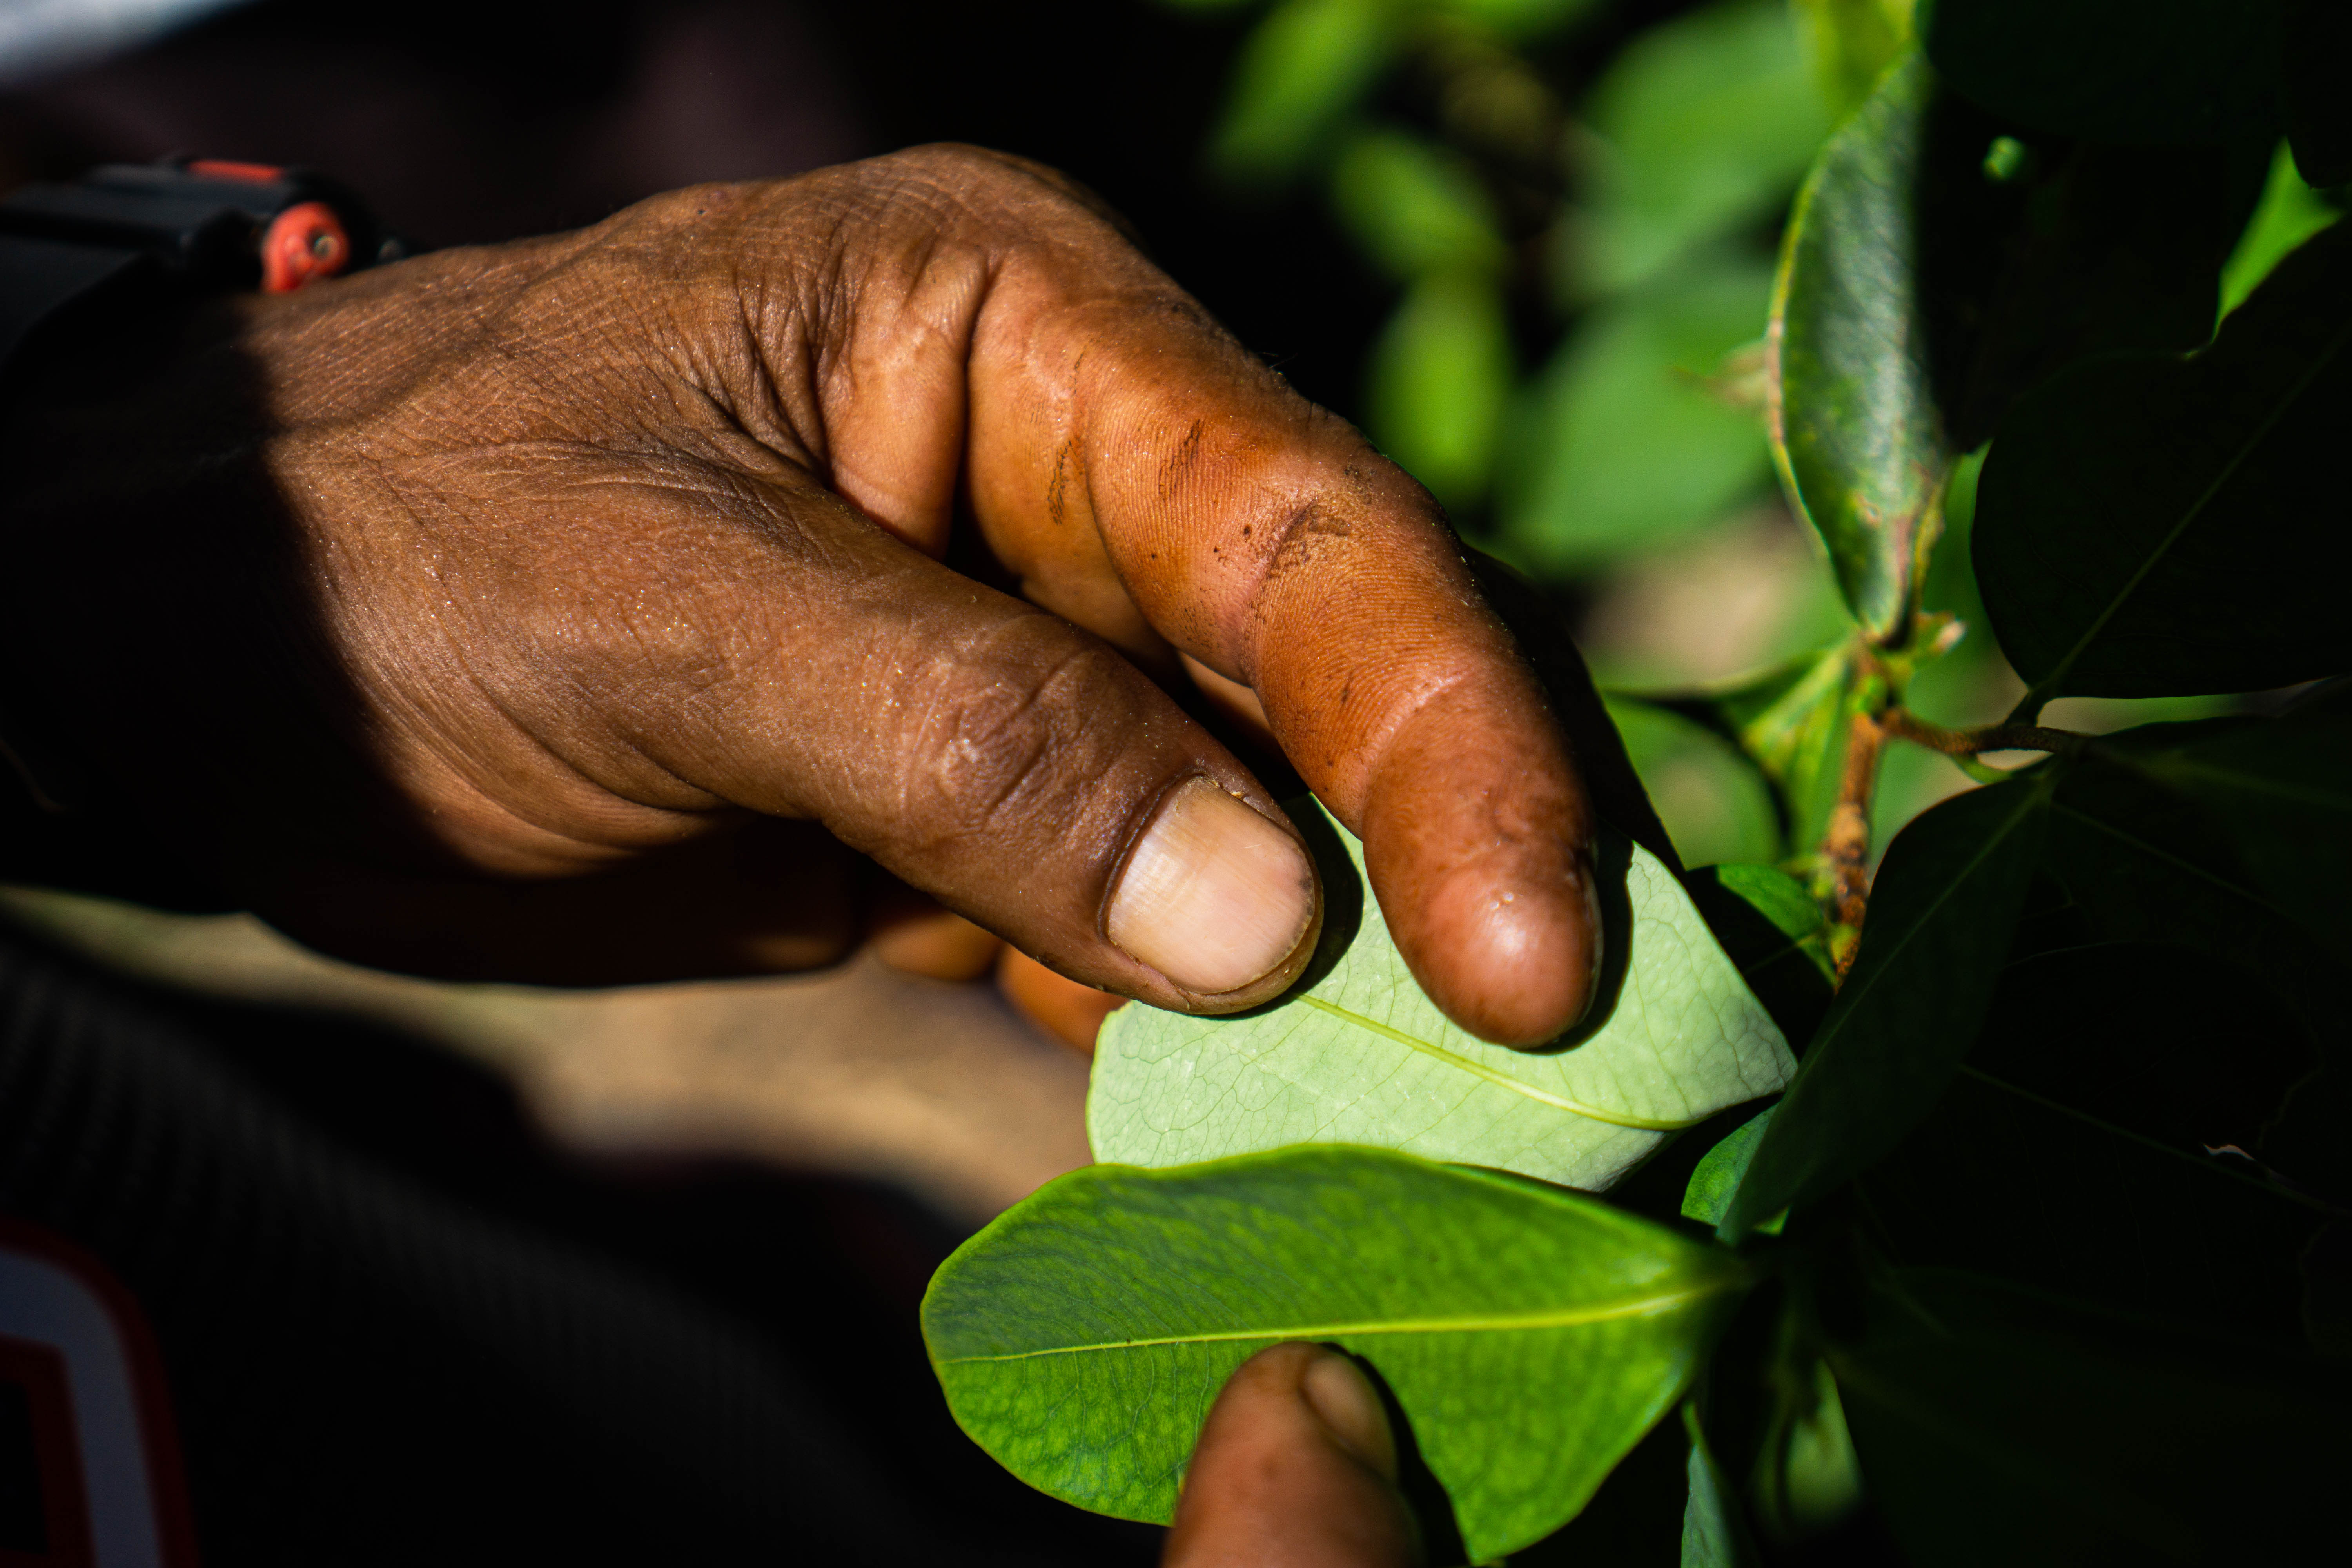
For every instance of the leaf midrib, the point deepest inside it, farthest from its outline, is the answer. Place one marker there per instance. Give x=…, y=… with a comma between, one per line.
x=1499, y=1079
x=1497, y=1322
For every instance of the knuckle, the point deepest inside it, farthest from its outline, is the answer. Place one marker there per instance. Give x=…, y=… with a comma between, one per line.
x=1008, y=731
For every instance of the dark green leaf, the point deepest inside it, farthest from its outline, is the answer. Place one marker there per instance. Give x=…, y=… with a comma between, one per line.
x=2140, y=862
x=1530, y=1336
x=1996, y=1425
x=1713, y=1536
x=2318, y=112
x=2165, y=526
x=1717, y=1178
x=1939, y=921
x=1854, y=425
x=2282, y=792
x=1777, y=934
x=1793, y=721
x=2103, y=1141
x=2165, y=73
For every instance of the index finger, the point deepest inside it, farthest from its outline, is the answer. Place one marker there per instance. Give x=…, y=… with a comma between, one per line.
x=1114, y=435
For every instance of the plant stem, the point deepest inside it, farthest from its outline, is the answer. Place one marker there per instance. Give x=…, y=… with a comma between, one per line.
x=1847, y=845
x=1906, y=725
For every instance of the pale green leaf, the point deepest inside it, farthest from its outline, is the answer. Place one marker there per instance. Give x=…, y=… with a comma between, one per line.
x=1361, y=1056
x=1414, y=207
x=1530, y=1336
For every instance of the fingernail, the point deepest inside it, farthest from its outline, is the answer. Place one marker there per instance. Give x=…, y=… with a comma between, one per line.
x=1213, y=895
x=1341, y=1396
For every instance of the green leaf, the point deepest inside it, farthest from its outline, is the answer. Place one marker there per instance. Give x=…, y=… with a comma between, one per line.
x=1806, y=1479
x=2289, y=213
x=1997, y=1425
x=2281, y=791
x=1620, y=445
x=1302, y=70
x=1530, y=1335
x=1440, y=373
x=1708, y=1197
x=1940, y=922
x=1519, y=19
x=1713, y=1536
x=1700, y=128
x=1854, y=426
x=2164, y=73
x=1414, y=207
x=2318, y=114
x=1360, y=1056
x=2161, y=526
x=1851, y=43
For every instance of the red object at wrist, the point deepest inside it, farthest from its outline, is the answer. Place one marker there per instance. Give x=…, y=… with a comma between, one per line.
x=304, y=243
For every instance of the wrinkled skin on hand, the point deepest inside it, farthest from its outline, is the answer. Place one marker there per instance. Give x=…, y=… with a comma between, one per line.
x=599, y=607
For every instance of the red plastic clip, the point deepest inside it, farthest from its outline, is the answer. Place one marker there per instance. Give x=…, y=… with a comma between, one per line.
x=303, y=244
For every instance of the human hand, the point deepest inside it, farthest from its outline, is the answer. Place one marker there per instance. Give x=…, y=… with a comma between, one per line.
x=596, y=606
x=1295, y=1467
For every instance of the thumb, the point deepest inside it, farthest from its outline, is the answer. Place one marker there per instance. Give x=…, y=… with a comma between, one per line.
x=1296, y=1468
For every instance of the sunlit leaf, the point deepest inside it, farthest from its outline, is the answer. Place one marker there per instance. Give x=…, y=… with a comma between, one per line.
x=1941, y=915
x=1361, y=1056
x=1778, y=933
x=1304, y=68
x=1997, y=1425
x=1708, y=1197
x=1854, y=423
x=1519, y=19
x=2165, y=73
x=1620, y=446
x=1441, y=375
x=1414, y=206
x=1530, y=1335
x=1700, y=128
x=2161, y=526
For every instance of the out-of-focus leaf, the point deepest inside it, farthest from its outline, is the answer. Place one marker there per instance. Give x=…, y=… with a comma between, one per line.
x=2282, y=792
x=1778, y=934
x=1713, y=803
x=1620, y=446
x=1531, y=1336
x=1441, y=375
x=1414, y=206
x=1713, y=1533
x=1794, y=722
x=1851, y=43
x=1807, y=1479
x=2160, y=73
x=1359, y=1055
x=1940, y=918
x=1699, y=128
x=1306, y=65
x=2150, y=527
x=2318, y=113
x=1997, y=1425
x=1519, y=18
x=2290, y=212
x=1854, y=424
x=1708, y=1198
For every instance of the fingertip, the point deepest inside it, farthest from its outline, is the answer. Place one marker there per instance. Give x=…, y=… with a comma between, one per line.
x=1514, y=958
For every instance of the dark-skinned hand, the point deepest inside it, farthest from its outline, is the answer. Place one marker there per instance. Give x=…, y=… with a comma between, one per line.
x=705, y=591
x=588, y=608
